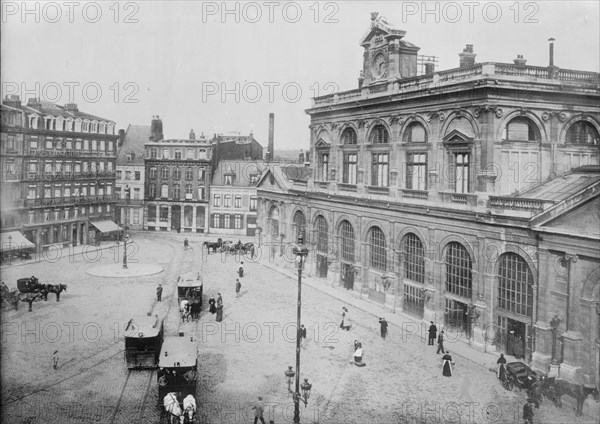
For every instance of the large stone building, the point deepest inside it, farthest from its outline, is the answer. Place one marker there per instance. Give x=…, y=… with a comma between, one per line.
x=469, y=197
x=131, y=176
x=58, y=168
x=178, y=174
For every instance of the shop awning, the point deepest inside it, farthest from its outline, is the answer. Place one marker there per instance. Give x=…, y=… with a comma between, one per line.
x=106, y=226
x=17, y=241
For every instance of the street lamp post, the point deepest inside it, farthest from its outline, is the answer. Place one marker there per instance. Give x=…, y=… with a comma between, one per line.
x=125, y=251
x=9, y=252
x=301, y=252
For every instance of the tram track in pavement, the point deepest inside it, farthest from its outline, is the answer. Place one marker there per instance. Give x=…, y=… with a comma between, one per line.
x=134, y=413
x=90, y=362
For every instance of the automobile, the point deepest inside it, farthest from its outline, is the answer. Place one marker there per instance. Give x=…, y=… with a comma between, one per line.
x=517, y=374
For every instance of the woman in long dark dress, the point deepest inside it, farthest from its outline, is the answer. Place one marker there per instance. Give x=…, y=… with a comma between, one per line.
x=212, y=307
x=447, y=365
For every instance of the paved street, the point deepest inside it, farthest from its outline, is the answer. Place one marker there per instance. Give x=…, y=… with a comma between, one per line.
x=241, y=358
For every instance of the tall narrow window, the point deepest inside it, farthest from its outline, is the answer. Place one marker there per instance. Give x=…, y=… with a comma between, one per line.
x=462, y=172
x=349, y=136
x=416, y=171
x=350, y=168
x=458, y=270
x=377, y=249
x=380, y=170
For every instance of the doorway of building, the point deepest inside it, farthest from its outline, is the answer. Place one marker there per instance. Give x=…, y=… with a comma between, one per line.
x=347, y=276
x=321, y=266
x=176, y=218
x=514, y=335
x=457, y=317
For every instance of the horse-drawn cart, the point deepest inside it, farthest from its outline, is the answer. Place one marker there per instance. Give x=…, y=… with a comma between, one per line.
x=517, y=374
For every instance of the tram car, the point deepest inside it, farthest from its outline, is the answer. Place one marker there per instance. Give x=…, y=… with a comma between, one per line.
x=177, y=367
x=143, y=340
x=190, y=284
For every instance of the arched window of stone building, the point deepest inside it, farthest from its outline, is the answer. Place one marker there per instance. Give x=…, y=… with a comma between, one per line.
x=459, y=280
x=415, y=133
x=515, y=285
x=379, y=134
x=274, y=222
x=413, y=255
x=322, y=234
x=583, y=133
x=377, y=249
x=299, y=225
x=349, y=136
x=521, y=129
x=346, y=233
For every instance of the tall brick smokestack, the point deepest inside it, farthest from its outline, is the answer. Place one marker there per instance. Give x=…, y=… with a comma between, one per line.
x=551, y=47
x=271, y=152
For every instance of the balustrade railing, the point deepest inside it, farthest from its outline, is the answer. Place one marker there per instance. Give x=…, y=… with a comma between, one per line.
x=521, y=204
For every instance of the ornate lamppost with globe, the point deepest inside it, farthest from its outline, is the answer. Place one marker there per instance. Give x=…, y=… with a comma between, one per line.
x=301, y=252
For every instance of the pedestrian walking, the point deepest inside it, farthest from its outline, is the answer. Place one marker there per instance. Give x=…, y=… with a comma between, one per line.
x=432, y=333
x=447, y=365
x=528, y=412
x=211, y=305
x=358, y=355
x=383, y=325
x=55, y=360
x=501, y=363
x=219, y=313
x=219, y=300
x=241, y=270
x=345, y=324
x=259, y=409
x=440, y=341
x=238, y=286
x=159, y=290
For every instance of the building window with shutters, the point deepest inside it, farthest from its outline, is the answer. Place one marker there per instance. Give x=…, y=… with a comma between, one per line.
x=227, y=221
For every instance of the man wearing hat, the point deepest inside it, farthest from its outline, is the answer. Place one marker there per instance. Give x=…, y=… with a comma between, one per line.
x=259, y=408
x=159, y=291
x=383, y=324
x=440, y=342
x=432, y=333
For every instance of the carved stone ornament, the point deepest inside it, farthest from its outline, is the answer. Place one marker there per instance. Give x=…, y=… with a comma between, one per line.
x=361, y=123
x=441, y=116
x=545, y=116
x=499, y=113
x=562, y=116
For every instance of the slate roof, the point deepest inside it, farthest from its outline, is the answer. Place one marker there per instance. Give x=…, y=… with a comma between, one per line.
x=135, y=138
x=242, y=170
x=47, y=108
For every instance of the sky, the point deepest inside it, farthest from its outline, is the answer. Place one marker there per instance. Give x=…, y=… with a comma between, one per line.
x=219, y=67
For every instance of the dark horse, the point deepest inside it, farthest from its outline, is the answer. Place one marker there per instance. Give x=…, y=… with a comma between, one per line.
x=213, y=245
x=579, y=392
x=51, y=288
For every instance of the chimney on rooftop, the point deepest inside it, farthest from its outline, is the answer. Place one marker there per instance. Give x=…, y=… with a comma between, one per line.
x=519, y=60
x=467, y=57
x=34, y=102
x=192, y=134
x=12, y=100
x=551, y=51
x=429, y=68
x=361, y=79
x=271, y=136
x=121, y=138
x=156, y=129
x=71, y=107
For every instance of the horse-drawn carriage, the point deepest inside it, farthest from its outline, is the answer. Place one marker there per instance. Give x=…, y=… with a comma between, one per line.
x=178, y=367
x=189, y=293
x=143, y=340
x=33, y=285
x=517, y=374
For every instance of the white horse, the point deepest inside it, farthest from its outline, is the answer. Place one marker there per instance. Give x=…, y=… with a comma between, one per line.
x=172, y=407
x=189, y=408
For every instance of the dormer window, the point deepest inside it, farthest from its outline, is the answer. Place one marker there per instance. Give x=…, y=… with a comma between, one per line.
x=379, y=135
x=228, y=179
x=165, y=153
x=33, y=121
x=86, y=126
x=102, y=128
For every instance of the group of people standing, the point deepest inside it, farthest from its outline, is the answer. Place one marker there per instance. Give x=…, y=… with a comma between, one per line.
x=216, y=306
